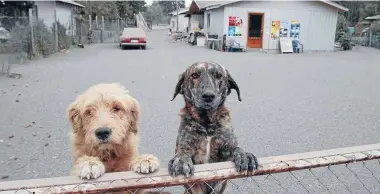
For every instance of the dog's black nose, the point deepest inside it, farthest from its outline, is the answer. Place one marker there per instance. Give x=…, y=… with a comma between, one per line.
x=208, y=96
x=103, y=133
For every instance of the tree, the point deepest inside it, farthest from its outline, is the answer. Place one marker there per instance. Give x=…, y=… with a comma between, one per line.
x=137, y=6
x=155, y=13
x=359, y=10
x=107, y=9
x=169, y=6
x=129, y=8
x=341, y=28
x=15, y=8
x=18, y=10
x=369, y=9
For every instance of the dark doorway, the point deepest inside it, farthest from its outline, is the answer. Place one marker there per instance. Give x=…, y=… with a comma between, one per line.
x=255, y=30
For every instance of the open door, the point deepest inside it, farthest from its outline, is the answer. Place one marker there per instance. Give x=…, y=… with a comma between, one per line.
x=255, y=30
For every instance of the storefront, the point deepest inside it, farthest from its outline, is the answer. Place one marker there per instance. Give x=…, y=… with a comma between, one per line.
x=261, y=24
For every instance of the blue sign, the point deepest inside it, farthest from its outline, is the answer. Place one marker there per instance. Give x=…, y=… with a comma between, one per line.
x=231, y=31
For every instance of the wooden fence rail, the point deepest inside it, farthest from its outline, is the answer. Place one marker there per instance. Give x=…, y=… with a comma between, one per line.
x=124, y=181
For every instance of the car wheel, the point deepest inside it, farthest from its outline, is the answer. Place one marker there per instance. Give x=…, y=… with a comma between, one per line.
x=122, y=47
x=143, y=47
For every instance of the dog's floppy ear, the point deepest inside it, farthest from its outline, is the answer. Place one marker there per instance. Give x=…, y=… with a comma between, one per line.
x=178, y=87
x=232, y=85
x=73, y=114
x=135, y=115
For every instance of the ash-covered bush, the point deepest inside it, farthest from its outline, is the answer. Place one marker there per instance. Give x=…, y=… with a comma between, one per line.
x=44, y=39
x=64, y=40
x=19, y=40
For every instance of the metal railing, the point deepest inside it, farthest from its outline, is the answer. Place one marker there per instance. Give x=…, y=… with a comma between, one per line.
x=141, y=22
x=269, y=168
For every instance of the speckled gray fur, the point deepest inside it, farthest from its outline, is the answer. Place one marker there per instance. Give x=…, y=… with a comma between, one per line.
x=205, y=134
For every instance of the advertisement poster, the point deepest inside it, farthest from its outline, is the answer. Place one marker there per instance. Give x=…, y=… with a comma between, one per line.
x=275, y=32
x=235, y=26
x=231, y=30
x=194, y=26
x=284, y=28
x=295, y=30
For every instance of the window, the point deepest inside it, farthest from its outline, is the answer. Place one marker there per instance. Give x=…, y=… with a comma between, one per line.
x=208, y=20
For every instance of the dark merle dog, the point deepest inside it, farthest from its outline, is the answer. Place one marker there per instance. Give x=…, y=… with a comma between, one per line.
x=205, y=134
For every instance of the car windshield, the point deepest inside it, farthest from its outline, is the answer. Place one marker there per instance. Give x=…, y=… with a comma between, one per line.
x=135, y=32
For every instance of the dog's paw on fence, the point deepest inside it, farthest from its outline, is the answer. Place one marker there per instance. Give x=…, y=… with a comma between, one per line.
x=245, y=161
x=89, y=168
x=146, y=163
x=181, y=165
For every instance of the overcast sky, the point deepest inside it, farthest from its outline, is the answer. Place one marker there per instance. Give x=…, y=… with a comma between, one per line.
x=150, y=2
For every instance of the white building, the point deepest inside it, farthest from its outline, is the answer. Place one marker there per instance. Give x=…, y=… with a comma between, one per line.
x=64, y=11
x=182, y=21
x=259, y=24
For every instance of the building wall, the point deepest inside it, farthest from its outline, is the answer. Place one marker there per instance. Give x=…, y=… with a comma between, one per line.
x=216, y=22
x=63, y=11
x=317, y=21
x=64, y=14
x=182, y=22
x=45, y=11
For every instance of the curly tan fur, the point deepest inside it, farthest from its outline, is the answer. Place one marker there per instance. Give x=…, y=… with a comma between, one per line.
x=107, y=105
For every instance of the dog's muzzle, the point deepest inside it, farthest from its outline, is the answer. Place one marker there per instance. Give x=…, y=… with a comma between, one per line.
x=208, y=96
x=103, y=133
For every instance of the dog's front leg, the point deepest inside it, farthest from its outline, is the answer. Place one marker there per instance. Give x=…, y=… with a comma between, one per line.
x=146, y=163
x=244, y=161
x=182, y=162
x=88, y=167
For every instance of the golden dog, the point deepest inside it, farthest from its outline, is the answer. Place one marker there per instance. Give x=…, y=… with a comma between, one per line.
x=104, y=120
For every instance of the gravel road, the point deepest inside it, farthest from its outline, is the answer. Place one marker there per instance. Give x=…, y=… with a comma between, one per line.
x=291, y=103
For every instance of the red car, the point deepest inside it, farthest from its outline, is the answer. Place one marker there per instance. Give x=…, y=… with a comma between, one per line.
x=133, y=37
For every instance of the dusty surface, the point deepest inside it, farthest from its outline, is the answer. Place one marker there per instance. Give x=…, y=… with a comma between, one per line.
x=291, y=103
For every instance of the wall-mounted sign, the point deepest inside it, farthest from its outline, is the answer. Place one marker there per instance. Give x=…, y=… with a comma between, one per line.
x=195, y=26
x=295, y=30
x=235, y=26
x=275, y=32
x=284, y=28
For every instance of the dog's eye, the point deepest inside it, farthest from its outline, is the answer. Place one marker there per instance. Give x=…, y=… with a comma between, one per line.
x=195, y=75
x=88, y=112
x=218, y=75
x=116, y=108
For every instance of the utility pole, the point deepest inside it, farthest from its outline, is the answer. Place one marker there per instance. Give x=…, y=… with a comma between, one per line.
x=176, y=2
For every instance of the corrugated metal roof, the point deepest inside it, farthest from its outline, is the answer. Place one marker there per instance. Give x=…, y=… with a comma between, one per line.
x=375, y=17
x=180, y=11
x=71, y=2
x=340, y=7
x=203, y=4
x=216, y=4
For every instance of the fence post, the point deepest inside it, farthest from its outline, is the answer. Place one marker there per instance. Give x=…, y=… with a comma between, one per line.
x=73, y=27
x=103, y=22
x=56, y=30
x=118, y=25
x=102, y=31
x=370, y=37
x=96, y=21
x=32, y=30
x=89, y=19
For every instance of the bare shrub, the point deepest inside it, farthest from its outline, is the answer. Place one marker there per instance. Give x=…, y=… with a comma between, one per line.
x=44, y=39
